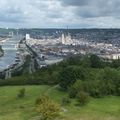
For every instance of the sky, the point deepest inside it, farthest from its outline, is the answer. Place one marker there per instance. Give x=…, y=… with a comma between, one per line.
x=60, y=13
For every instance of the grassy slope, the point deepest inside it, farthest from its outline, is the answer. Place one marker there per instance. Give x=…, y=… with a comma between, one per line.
x=12, y=108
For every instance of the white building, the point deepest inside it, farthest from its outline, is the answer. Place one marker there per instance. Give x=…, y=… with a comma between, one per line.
x=111, y=56
x=66, y=39
x=115, y=56
x=27, y=36
x=63, y=39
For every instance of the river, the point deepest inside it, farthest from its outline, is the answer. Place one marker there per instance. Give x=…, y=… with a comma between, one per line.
x=9, y=47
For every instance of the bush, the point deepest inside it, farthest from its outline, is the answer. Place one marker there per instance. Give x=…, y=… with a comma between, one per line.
x=82, y=98
x=66, y=101
x=21, y=93
x=47, y=108
x=76, y=88
x=72, y=92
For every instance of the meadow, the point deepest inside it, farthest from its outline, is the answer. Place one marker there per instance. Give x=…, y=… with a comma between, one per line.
x=14, y=108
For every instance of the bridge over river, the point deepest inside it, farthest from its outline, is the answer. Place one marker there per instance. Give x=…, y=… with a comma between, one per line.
x=10, y=49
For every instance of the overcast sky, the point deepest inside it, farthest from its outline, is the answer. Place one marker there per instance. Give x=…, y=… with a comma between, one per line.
x=60, y=13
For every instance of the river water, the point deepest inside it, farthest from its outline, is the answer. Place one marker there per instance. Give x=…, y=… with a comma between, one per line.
x=9, y=47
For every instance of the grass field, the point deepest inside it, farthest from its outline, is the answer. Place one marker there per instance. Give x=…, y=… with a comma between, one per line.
x=12, y=108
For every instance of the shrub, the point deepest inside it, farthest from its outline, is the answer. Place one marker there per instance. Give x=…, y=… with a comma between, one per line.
x=47, y=108
x=66, y=101
x=72, y=92
x=82, y=98
x=21, y=93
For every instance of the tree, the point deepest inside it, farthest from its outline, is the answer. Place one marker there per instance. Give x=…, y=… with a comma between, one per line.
x=75, y=88
x=115, y=63
x=67, y=77
x=95, y=61
x=47, y=108
x=111, y=78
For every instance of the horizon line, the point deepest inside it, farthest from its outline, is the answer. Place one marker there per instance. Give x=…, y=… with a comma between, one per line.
x=53, y=28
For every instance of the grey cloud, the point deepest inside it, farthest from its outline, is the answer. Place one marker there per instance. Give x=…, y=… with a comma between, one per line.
x=54, y=15
x=94, y=8
x=11, y=12
x=75, y=2
x=79, y=13
x=16, y=17
x=99, y=12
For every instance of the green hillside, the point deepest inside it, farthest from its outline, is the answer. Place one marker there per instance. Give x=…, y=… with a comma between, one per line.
x=13, y=108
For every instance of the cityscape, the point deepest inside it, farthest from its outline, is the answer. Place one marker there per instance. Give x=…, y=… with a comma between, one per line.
x=59, y=60
x=56, y=46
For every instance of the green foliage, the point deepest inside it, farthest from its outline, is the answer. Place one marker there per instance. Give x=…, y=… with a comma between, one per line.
x=21, y=93
x=115, y=63
x=73, y=60
x=111, y=79
x=72, y=92
x=97, y=80
x=26, y=65
x=66, y=101
x=95, y=61
x=37, y=78
x=82, y=98
x=67, y=77
x=96, y=76
x=47, y=108
x=95, y=88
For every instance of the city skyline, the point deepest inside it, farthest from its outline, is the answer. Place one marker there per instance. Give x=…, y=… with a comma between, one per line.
x=59, y=13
